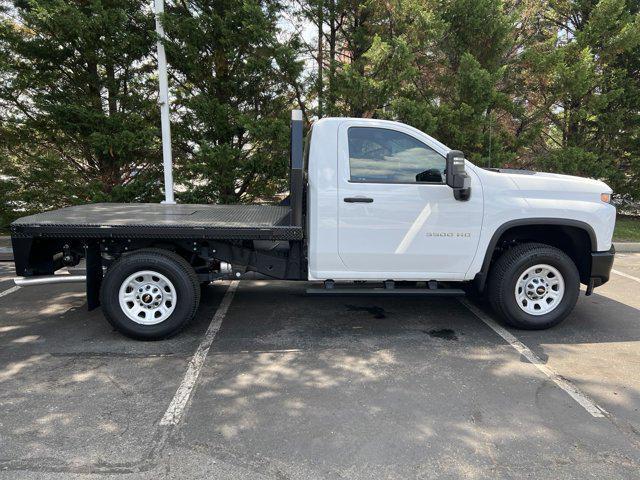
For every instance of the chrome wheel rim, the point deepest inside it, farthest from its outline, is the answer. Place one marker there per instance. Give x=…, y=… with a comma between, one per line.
x=539, y=290
x=147, y=297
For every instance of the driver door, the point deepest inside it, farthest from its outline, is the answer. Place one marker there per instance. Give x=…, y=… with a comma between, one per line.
x=397, y=217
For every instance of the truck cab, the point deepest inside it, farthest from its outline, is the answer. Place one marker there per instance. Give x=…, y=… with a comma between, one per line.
x=379, y=206
x=371, y=202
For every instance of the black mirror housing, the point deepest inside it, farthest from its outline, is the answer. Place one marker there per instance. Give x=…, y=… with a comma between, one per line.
x=456, y=175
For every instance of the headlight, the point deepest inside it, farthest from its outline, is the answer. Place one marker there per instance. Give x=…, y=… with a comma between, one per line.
x=605, y=197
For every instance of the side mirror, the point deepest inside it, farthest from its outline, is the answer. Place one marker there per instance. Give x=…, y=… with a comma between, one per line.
x=457, y=177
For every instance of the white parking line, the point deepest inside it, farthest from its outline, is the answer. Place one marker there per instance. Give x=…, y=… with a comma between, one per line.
x=625, y=275
x=573, y=391
x=176, y=408
x=9, y=291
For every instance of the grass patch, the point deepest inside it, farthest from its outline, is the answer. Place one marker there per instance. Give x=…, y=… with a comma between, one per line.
x=4, y=231
x=627, y=229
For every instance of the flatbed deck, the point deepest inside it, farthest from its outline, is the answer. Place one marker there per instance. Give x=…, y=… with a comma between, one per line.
x=152, y=220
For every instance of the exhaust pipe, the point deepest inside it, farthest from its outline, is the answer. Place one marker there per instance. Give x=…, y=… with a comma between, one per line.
x=48, y=279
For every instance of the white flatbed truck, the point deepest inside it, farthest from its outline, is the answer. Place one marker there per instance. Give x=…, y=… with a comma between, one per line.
x=375, y=208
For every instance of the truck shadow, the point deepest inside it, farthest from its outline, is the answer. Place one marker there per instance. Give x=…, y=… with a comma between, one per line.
x=279, y=315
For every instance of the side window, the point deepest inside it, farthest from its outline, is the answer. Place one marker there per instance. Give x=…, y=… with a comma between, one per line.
x=380, y=155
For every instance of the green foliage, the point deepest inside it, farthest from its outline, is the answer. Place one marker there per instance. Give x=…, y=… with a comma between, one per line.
x=552, y=85
x=79, y=115
x=574, y=161
x=546, y=85
x=593, y=82
x=232, y=98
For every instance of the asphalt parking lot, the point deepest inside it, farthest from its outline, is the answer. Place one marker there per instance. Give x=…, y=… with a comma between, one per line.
x=304, y=387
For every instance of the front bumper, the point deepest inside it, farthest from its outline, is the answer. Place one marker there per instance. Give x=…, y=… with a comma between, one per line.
x=601, y=264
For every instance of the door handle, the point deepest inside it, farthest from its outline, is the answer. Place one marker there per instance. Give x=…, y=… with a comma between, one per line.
x=358, y=200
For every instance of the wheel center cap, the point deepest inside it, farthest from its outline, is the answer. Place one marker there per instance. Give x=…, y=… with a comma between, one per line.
x=147, y=298
x=541, y=290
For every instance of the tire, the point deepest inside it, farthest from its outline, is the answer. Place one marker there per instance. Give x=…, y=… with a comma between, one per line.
x=533, y=286
x=150, y=294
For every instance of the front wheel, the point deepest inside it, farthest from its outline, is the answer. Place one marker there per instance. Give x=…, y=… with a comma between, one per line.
x=534, y=286
x=150, y=294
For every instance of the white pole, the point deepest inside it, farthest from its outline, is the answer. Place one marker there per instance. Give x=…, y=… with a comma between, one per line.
x=163, y=100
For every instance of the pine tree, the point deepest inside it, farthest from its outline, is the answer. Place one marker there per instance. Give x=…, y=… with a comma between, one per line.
x=593, y=71
x=347, y=30
x=549, y=85
x=232, y=80
x=79, y=119
x=461, y=92
x=441, y=66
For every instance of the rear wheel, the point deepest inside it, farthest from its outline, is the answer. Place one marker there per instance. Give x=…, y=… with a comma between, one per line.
x=534, y=286
x=150, y=294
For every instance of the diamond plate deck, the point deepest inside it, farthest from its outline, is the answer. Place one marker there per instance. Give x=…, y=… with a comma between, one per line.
x=152, y=220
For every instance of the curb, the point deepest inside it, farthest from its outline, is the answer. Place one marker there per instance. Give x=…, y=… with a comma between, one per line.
x=627, y=247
